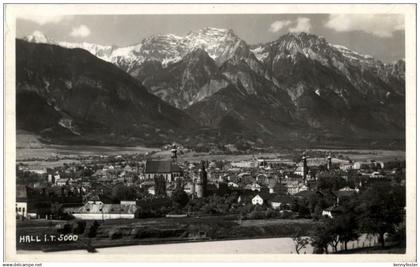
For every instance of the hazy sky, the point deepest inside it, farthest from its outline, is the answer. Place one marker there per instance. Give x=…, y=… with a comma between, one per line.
x=379, y=35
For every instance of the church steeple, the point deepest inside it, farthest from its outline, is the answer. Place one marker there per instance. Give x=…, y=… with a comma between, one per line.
x=202, y=181
x=329, y=163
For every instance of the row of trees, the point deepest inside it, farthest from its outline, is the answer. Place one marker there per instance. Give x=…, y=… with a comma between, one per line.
x=380, y=210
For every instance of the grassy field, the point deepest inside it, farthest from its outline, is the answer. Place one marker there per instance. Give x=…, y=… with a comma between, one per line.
x=224, y=234
x=37, y=155
x=30, y=151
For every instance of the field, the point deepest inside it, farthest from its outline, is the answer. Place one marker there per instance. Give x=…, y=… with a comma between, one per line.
x=224, y=234
x=246, y=246
x=163, y=230
x=31, y=151
x=36, y=155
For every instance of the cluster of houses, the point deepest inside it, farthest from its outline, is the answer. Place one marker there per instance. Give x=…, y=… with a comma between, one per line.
x=81, y=191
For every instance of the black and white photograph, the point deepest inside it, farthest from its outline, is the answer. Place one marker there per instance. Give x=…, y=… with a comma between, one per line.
x=224, y=130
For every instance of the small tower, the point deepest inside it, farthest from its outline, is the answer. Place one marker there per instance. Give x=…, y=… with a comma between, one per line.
x=174, y=152
x=201, y=187
x=329, y=164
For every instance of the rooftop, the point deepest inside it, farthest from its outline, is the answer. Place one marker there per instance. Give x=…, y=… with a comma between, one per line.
x=163, y=166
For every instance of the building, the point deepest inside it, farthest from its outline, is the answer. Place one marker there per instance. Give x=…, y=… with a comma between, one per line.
x=331, y=212
x=128, y=202
x=253, y=187
x=61, y=182
x=329, y=163
x=97, y=210
x=174, y=152
x=233, y=185
x=305, y=167
x=151, y=190
x=281, y=201
x=294, y=187
x=166, y=168
x=368, y=165
x=261, y=163
x=21, y=201
x=376, y=175
x=302, y=168
x=277, y=187
x=260, y=199
x=346, y=166
x=160, y=185
x=201, y=186
x=244, y=164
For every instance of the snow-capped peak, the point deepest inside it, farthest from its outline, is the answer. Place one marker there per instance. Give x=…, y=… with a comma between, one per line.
x=101, y=51
x=219, y=44
x=350, y=53
x=37, y=37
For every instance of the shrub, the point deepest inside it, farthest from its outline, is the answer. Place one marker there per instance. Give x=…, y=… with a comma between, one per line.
x=115, y=233
x=80, y=228
x=93, y=229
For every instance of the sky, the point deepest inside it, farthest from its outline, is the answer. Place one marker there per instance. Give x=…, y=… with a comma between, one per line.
x=379, y=35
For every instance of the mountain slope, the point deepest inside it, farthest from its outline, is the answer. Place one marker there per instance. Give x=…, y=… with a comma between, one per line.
x=306, y=65
x=297, y=89
x=310, y=91
x=183, y=83
x=69, y=94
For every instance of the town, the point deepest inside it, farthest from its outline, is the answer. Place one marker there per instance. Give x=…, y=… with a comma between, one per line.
x=315, y=187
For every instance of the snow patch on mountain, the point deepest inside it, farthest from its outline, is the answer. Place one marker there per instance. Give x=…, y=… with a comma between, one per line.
x=37, y=37
x=260, y=53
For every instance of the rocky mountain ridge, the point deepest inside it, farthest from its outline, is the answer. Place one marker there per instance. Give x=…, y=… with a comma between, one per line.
x=297, y=88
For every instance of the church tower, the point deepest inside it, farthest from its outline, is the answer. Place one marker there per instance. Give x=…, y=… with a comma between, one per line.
x=201, y=188
x=329, y=163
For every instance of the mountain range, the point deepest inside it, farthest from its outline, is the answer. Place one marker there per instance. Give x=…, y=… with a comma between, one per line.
x=211, y=86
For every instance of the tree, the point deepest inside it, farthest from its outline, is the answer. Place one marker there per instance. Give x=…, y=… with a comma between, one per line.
x=399, y=235
x=80, y=228
x=327, y=234
x=302, y=207
x=346, y=223
x=320, y=238
x=180, y=198
x=382, y=209
x=93, y=229
x=300, y=242
x=122, y=192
